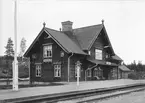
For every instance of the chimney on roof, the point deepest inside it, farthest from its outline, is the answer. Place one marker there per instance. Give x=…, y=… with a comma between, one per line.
x=67, y=26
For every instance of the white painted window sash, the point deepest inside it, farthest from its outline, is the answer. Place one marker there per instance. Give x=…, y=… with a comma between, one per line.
x=57, y=70
x=38, y=70
x=47, y=51
x=98, y=54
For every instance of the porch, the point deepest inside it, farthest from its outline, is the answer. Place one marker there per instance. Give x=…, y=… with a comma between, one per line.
x=102, y=71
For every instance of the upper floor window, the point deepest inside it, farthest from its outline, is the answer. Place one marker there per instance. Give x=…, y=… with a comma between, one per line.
x=98, y=54
x=57, y=70
x=38, y=70
x=47, y=51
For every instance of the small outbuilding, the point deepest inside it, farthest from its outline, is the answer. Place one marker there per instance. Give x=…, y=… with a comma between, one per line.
x=124, y=71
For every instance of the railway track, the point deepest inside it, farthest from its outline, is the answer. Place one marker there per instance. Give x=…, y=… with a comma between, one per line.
x=104, y=95
x=83, y=96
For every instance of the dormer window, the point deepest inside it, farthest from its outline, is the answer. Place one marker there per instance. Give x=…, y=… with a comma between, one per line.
x=47, y=51
x=98, y=54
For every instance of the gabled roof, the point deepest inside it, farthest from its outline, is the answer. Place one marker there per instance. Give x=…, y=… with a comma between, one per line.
x=124, y=68
x=77, y=41
x=60, y=38
x=65, y=41
x=116, y=57
x=30, y=47
x=86, y=35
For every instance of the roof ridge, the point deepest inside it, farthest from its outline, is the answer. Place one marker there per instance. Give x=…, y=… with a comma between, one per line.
x=52, y=29
x=88, y=26
x=75, y=28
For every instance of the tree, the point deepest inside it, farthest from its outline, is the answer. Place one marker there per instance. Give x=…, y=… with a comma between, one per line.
x=9, y=48
x=140, y=66
x=22, y=47
x=9, y=58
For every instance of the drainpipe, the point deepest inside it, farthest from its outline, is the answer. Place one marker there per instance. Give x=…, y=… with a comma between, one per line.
x=69, y=65
x=29, y=70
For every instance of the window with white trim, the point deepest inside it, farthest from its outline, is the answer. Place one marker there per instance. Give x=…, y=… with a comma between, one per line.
x=97, y=72
x=98, y=54
x=89, y=72
x=57, y=70
x=38, y=70
x=47, y=51
x=76, y=68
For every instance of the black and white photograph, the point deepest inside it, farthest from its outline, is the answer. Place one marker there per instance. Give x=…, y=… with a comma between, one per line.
x=72, y=51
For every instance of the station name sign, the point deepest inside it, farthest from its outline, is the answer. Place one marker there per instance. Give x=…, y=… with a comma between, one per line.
x=108, y=63
x=47, y=60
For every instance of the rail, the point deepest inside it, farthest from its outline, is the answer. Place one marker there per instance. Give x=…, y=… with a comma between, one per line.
x=78, y=94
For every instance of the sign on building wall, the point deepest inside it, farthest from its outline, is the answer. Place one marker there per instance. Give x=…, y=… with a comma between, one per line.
x=47, y=60
x=109, y=63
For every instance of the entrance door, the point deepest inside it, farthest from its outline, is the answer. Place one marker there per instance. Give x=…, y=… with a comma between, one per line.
x=106, y=72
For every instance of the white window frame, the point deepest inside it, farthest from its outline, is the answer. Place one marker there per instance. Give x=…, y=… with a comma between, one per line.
x=97, y=72
x=98, y=54
x=46, y=49
x=57, y=70
x=89, y=72
x=38, y=68
x=76, y=70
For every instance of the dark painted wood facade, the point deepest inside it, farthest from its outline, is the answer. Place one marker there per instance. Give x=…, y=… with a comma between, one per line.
x=107, y=66
x=108, y=71
x=47, y=71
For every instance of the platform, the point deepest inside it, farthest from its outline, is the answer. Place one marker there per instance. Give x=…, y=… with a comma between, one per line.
x=23, y=93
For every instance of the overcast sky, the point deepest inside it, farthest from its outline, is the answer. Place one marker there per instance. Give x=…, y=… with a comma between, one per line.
x=124, y=21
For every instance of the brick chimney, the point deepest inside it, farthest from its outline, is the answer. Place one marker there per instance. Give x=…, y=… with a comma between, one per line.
x=67, y=26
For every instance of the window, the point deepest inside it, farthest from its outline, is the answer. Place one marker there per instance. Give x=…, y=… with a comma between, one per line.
x=76, y=68
x=61, y=54
x=38, y=70
x=97, y=72
x=47, y=51
x=57, y=70
x=89, y=72
x=89, y=52
x=98, y=54
x=107, y=55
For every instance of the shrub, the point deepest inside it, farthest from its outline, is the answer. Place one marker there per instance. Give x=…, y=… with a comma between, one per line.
x=137, y=75
x=132, y=76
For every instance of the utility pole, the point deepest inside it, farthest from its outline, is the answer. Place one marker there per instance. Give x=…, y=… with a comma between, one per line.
x=15, y=63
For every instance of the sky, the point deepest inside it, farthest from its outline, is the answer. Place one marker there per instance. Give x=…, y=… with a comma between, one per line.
x=124, y=21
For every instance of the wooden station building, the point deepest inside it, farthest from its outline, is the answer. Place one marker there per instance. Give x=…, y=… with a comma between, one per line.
x=56, y=55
